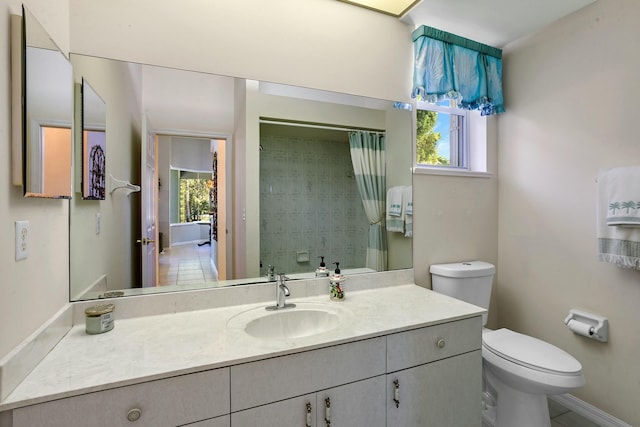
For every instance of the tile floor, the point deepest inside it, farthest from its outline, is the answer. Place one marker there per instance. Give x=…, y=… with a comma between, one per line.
x=186, y=264
x=562, y=417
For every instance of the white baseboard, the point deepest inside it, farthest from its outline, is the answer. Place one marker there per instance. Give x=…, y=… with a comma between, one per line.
x=588, y=411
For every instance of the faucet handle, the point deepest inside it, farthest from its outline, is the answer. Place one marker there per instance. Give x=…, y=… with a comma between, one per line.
x=282, y=277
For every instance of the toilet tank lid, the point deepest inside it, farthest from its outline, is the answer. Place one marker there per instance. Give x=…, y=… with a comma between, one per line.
x=463, y=269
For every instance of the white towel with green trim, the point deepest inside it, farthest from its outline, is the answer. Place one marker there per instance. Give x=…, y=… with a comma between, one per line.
x=618, y=242
x=395, y=213
x=407, y=199
x=622, y=186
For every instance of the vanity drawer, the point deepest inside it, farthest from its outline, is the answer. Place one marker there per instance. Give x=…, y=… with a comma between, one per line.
x=168, y=402
x=419, y=346
x=266, y=381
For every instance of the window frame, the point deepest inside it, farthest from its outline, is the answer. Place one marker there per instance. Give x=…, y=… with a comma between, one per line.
x=459, y=151
x=476, y=128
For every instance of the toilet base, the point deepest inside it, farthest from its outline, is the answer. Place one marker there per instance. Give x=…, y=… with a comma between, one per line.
x=515, y=407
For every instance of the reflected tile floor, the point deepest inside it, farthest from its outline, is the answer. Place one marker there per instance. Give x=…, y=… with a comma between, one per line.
x=186, y=264
x=562, y=417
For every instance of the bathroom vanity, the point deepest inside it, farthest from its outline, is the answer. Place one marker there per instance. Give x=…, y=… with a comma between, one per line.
x=398, y=355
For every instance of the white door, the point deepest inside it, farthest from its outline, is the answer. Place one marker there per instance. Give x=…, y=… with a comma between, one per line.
x=148, y=211
x=223, y=179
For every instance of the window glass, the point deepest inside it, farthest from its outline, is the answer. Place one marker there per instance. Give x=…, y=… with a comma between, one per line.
x=193, y=196
x=441, y=135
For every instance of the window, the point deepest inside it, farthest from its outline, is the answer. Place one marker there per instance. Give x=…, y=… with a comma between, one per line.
x=191, y=196
x=442, y=135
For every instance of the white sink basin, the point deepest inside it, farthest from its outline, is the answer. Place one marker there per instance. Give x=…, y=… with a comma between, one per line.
x=304, y=320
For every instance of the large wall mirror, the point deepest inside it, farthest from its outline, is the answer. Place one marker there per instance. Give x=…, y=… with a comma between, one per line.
x=47, y=115
x=248, y=174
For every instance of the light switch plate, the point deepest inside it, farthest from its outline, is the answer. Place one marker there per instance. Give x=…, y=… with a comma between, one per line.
x=22, y=240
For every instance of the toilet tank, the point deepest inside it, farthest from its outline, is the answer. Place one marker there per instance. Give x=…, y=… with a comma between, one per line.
x=467, y=281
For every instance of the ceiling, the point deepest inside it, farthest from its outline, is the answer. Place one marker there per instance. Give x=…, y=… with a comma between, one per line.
x=492, y=22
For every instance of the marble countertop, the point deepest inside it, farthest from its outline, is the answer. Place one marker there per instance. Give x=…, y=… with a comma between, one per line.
x=161, y=346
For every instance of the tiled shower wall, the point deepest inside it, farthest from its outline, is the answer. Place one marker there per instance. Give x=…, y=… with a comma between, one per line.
x=309, y=202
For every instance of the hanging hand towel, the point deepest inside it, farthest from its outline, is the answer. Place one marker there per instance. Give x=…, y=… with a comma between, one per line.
x=623, y=196
x=618, y=245
x=395, y=215
x=407, y=198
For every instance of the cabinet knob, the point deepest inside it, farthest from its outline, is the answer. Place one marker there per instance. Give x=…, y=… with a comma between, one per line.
x=134, y=414
x=440, y=343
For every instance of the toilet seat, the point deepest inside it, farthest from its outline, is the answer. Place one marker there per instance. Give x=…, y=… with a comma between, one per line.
x=530, y=352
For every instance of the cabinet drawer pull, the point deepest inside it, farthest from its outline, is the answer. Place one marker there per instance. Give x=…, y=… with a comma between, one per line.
x=308, y=414
x=327, y=411
x=396, y=393
x=441, y=343
x=134, y=414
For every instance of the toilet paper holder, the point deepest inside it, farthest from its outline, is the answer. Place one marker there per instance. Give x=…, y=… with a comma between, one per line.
x=588, y=325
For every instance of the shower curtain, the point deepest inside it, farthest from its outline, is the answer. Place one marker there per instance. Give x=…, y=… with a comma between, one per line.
x=369, y=162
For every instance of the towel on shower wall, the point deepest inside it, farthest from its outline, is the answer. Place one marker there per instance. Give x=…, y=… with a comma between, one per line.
x=408, y=210
x=622, y=187
x=620, y=244
x=395, y=214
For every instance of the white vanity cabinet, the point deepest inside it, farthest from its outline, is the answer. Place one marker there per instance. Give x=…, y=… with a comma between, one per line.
x=435, y=375
x=429, y=376
x=292, y=390
x=168, y=402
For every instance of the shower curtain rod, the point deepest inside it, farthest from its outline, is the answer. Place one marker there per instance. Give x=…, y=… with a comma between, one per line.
x=317, y=125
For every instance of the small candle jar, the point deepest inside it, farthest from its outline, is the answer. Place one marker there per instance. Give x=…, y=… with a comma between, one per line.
x=99, y=318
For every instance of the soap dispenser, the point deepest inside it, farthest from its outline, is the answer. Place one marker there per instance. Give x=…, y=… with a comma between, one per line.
x=322, y=270
x=336, y=284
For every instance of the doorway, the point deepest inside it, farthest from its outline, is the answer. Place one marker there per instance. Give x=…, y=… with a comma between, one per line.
x=193, y=208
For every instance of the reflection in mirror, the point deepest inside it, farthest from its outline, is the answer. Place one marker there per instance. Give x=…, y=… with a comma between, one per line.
x=94, y=119
x=228, y=117
x=309, y=201
x=47, y=114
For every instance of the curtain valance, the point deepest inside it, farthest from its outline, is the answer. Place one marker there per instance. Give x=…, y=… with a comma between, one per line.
x=447, y=66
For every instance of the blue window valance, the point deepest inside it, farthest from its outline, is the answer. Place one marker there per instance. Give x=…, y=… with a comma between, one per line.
x=447, y=66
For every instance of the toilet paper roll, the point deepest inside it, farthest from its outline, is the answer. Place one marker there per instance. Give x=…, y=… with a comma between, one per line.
x=580, y=328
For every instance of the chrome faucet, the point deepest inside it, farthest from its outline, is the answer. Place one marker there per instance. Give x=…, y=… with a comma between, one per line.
x=282, y=291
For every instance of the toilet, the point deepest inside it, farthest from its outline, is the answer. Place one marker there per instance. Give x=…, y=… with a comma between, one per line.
x=519, y=371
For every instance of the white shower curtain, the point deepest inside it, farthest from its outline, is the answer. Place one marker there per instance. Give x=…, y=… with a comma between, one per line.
x=369, y=164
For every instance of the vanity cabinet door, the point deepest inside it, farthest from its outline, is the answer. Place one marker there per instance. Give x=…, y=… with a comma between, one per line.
x=168, y=402
x=440, y=394
x=424, y=345
x=295, y=412
x=266, y=381
x=359, y=404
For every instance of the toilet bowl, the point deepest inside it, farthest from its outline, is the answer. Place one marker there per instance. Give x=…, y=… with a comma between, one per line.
x=522, y=371
x=519, y=371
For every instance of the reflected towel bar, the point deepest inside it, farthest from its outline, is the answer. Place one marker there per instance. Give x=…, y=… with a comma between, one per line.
x=115, y=184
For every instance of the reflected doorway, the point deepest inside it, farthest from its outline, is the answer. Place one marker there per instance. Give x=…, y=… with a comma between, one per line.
x=192, y=209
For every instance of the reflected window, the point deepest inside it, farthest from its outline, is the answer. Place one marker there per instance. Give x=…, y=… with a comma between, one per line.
x=191, y=196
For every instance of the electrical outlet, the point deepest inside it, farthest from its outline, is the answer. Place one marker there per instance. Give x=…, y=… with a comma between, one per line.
x=22, y=240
